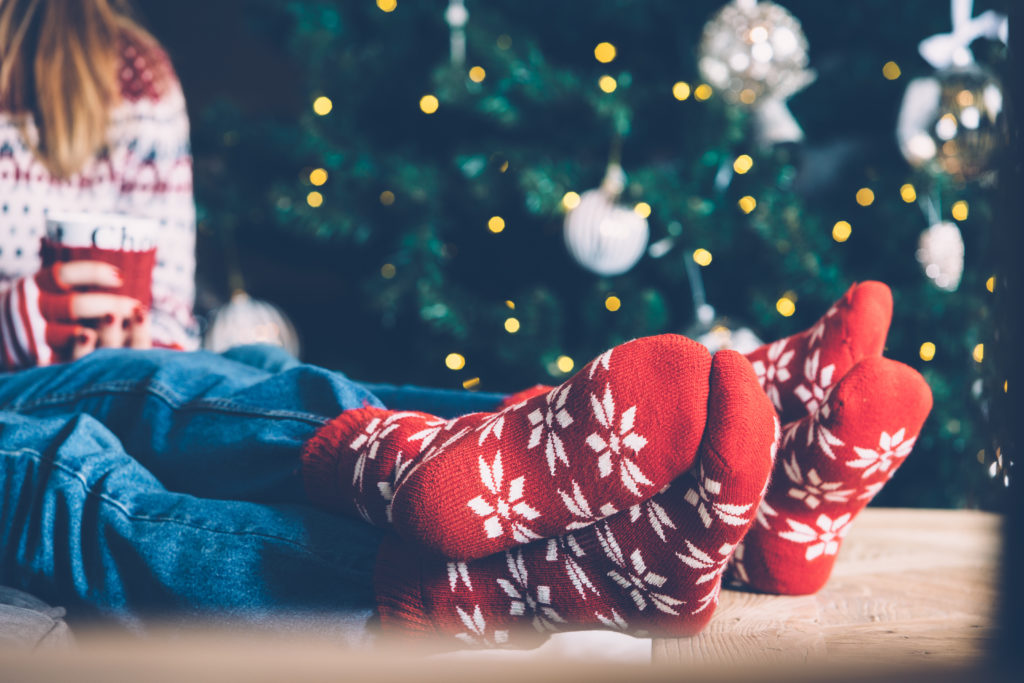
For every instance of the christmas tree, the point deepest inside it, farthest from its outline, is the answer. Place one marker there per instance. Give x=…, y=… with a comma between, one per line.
x=405, y=201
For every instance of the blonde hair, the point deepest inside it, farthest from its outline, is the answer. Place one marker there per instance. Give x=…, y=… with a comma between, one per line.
x=58, y=65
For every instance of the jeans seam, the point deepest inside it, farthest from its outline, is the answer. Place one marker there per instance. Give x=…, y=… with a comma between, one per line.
x=89, y=491
x=168, y=396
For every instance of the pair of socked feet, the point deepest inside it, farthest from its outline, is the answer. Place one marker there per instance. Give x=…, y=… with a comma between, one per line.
x=620, y=498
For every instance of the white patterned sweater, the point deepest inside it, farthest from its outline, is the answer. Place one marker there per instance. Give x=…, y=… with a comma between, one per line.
x=146, y=171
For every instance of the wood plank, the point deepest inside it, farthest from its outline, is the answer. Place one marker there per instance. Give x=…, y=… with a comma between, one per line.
x=909, y=585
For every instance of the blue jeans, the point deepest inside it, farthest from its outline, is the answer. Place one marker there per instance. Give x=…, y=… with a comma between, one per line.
x=139, y=483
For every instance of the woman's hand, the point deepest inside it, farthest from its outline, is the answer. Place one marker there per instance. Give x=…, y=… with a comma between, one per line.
x=58, y=315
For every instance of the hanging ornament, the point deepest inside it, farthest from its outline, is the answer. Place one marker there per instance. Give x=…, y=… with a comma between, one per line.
x=244, y=320
x=715, y=332
x=940, y=252
x=603, y=236
x=952, y=121
x=457, y=16
x=756, y=54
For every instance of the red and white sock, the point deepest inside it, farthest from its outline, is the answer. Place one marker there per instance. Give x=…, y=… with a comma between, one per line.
x=830, y=465
x=653, y=569
x=797, y=371
x=612, y=436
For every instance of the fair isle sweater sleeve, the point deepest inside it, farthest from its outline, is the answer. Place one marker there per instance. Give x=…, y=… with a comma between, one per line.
x=151, y=152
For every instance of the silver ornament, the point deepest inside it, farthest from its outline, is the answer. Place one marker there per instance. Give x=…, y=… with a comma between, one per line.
x=603, y=236
x=941, y=253
x=244, y=320
x=755, y=53
x=952, y=122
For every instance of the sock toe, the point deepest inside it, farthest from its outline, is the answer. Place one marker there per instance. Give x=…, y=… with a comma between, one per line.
x=866, y=320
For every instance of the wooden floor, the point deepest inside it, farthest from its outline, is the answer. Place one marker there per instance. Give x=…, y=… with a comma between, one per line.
x=910, y=586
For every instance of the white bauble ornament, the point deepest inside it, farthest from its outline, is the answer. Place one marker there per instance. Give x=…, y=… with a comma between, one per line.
x=244, y=320
x=603, y=236
x=952, y=122
x=755, y=53
x=941, y=253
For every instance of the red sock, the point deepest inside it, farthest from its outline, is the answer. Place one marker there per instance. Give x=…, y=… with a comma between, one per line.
x=653, y=569
x=831, y=464
x=796, y=371
x=612, y=436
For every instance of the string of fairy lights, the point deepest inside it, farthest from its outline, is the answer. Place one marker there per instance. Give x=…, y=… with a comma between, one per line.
x=606, y=53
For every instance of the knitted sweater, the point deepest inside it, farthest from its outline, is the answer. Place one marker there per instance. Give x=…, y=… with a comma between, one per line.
x=145, y=171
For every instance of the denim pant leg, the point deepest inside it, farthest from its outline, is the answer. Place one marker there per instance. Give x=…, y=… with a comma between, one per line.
x=201, y=423
x=82, y=524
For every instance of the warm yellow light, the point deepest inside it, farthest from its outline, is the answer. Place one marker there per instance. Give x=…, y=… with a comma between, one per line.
x=428, y=104
x=604, y=52
x=477, y=74
x=908, y=193
x=314, y=199
x=702, y=92
x=891, y=70
x=496, y=224
x=318, y=176
x=702, y=257
x=387, y=197
x=612, y=303
x=471, y=383
x=747, y=96
x=747, y=204
x=965, y=98
x=990, y=284
x=323, y=105
x=841, y=231
x=960, y=210
x=564, y=363
x=607, y=84
x=865, y=196
x=455, y=361
x=503, y=167
x=387, y=5
x=511, y=325
x=511, y=304
x=570, y=200
x=1006, y=386
x=742, y=164
x=979, y=353
x=927, y=351
x=785, y=306
x=681, y=90
x=642, y=209
x=387, y=271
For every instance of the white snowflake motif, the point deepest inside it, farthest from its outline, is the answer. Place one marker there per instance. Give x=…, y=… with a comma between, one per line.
x=503, y=508
x=819, y=379
x=545, y=422
x=578, y=505
x=458, y=573
x=615, y=444
x=491, y=425
x=569, y=550
x=775, y=372
x=890, y=448
x=700, y=497
x=818, y=331
x=602, y=361
x=764, y=511
x=476, y=626
x=636, y=578
x=811, y=489
x=870, y=490
x=655, y=515
x=698, y=559
x=368, y=444
x=523, y=602
x=824, y=540
x=387, y=488
x=739, y=572
x=613, y=622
